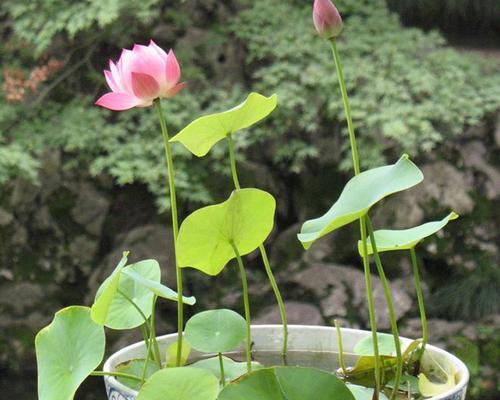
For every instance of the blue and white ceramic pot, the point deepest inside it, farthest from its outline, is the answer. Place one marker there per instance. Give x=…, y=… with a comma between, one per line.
x=300, y=338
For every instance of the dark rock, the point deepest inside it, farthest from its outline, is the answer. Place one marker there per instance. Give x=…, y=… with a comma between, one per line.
x=324, y=279
x=297, y=313
x=6, y=218
x=90, y=209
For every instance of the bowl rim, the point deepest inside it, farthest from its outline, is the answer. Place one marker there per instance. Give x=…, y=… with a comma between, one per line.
x=459, y=365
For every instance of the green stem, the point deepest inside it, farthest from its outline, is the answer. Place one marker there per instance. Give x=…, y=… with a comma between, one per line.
x=347, y=107
x=390, y=306
x=420, y=298
x=134, y=305
x=263, y=253
x=222, y=374
x=152, y=332
x=146, y=336
x=175, y=228
x=146, y=360
x=246, y=303
x=362, y=222
x=341, y=348
x=232, y=158
x=116, y=375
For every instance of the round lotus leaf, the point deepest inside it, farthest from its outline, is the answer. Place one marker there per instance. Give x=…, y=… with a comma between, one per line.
x=216, y=331
x=183, y=383
x=67, y=351
x=386, y=345
x=287, y=383
x=206, y=237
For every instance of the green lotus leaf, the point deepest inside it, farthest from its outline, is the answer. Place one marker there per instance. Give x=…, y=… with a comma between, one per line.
x=183, y=383
x=171, y=354
x=205, y=236
x=386, y=346
x=287, y=383
x=201, y=134
x=121, y=313
x=431, y=389
x=404, y=239
x=107, y=292
x=261, y=384
x=135, y=367
x=67, y=351
x=359, y=195
x=157, y=288
x=232, y=369
x=216, y=331
x=364, y=393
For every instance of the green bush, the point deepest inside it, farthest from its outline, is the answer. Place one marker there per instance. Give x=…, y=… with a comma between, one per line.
x=409, y=91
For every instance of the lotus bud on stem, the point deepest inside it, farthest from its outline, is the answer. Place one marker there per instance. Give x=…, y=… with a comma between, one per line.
x=328, y=23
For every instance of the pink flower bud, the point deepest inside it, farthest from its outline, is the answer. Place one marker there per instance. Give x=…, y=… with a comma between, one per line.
x=327, y=19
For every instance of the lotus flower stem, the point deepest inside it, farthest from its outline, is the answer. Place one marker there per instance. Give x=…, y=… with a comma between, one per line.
x=362, y=220
x=246, y=304
x=420, y=298
x=175, y=228
x=390, y=306
x=263, y=253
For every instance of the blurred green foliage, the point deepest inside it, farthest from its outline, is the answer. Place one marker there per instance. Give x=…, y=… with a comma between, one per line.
x=409, y=92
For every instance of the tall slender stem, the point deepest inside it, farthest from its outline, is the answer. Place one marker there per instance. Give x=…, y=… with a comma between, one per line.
x=347, y=108
x=390, y=306
x=263, y=253
x=340, y=348
x=232, y=159
x=222, y=374
x=362, y=221
x=175, y=227
x=420, y=298
x=246, y=304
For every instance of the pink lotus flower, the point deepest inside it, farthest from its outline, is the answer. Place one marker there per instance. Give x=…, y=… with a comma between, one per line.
x=327, y=19
x=140, y=76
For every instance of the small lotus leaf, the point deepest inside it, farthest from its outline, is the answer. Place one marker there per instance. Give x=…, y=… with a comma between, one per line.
x=107, y=292
x=171, y=354
x=404, y=239
x=201, y=134
x=431, y=389
x=135, y=367
x=359, y=195
x=364, y=393
x=184, y=383
x=157, y=288
x=67, y=351
x=386, y=346
x=123, y=315
x=232, y=369
x=216, y=331
x=299, y=383
x=205, y=236
x=287, y=383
